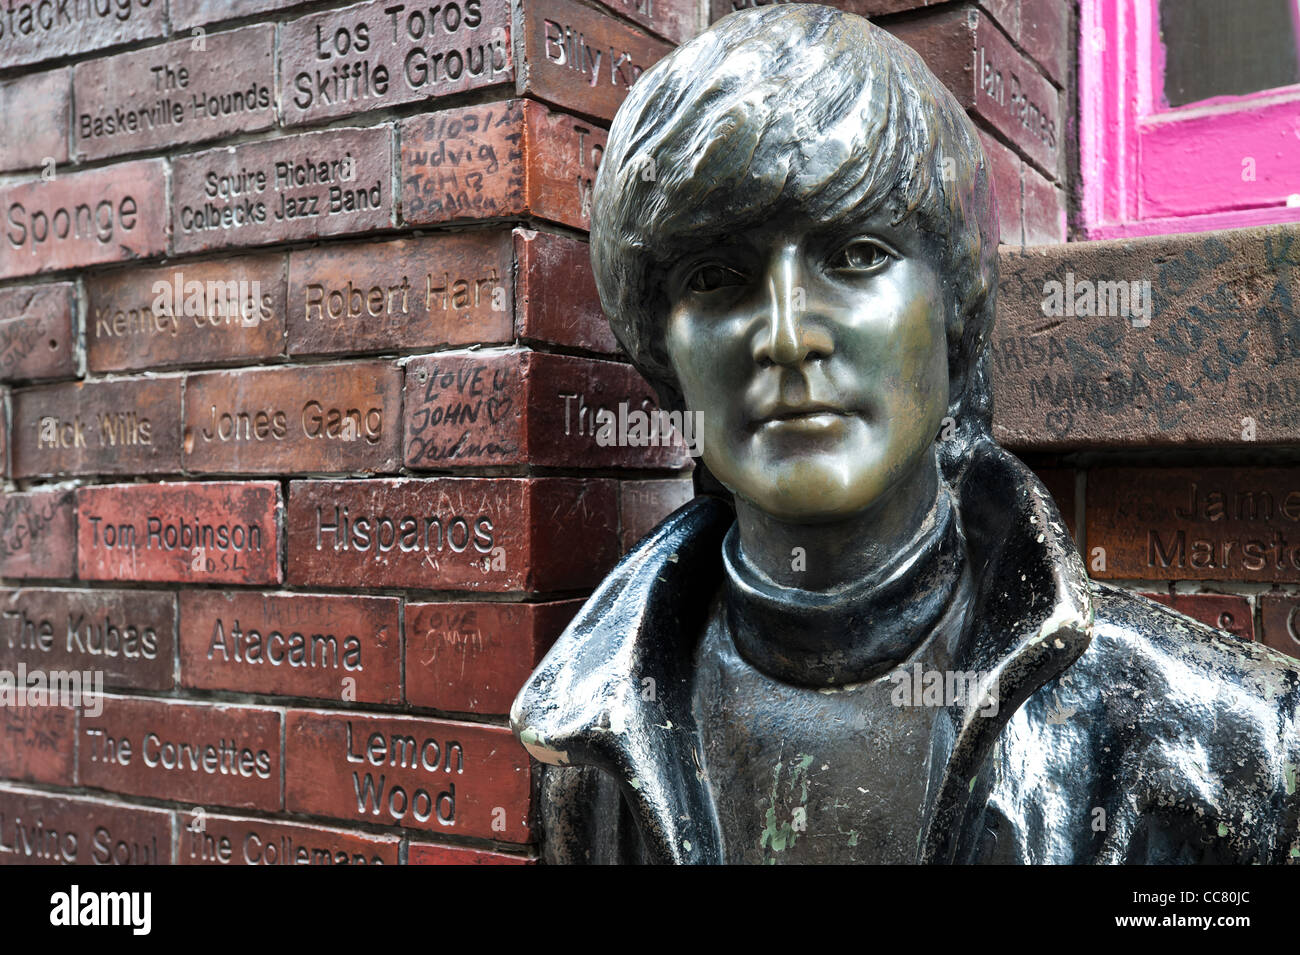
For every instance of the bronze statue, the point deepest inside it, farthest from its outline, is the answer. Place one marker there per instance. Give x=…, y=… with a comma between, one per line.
x=869, y=638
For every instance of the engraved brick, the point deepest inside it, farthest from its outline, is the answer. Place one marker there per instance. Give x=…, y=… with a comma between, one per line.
x=174, y=94
x=1280, y=622
x=299, y=187
x=128, y=426
x=235, y=840
x=422, y=853
x=38, y=533
x=1060, y=484
x=1045, y=34
x=84, y=218
x=378, y=54
x=474, y=657
x=330, y=647
x=128, y=635
x=508, y=159
x=643, y=504
x=1216, y=362
x=1195, y=523
x=205, y=754
x=555, y=293
x=1044, y=209
x=31, y=32
x=225, y=310
x=412, y=293
x=38, y=742
x=863, y=8
x=970, y=55
x=37, y=332
x=210, y=533
x=674, y=20
x=440, y=776
x=516, y=406
x=1226, y=612
x=489, y=534
x=40, y=829
x=1004, y=171
x=320, y=418
x=34, y=114
x=191, y=13
x=4, y=431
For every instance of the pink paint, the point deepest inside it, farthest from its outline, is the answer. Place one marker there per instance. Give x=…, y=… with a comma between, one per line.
x=1148, y=168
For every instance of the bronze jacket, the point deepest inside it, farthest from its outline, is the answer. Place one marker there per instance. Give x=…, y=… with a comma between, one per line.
x=1126, y=732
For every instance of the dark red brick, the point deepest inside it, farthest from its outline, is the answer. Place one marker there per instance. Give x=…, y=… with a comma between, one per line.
x=34, y=114
x=460, y=778
x=1004, y=171
x=128, y=635
x=211, y=839
x=475, y=657
x=38, y=533
x=4, y=431
x=40, y=829
x=423, y=853
x=1045, y=215
x=1280, y=622
x=211, y=533
x=863, y=8
x=567, y=312
x=182, y=92
x=412, y=293
x=299, y=187
x=330, y=647
x=674, y=20
x=1195, y=523
x=1046, y=35
x=1060, y=484
x=1226, y=612
x=38, y=743
x=643, y=504
x=84, y=218
x=321, y=418
x=191, y=13
x=488, y=534
x=517, y=406
x=127, y=426
x=31, y=32
x=37, y=332
x=509, y=159
x=206, y=754
x=198, y=313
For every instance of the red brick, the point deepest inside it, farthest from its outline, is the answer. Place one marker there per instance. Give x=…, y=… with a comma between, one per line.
x=346, y=177
x=176, y=93
x=863, y=8
x=34, y=114
x=128, y=635
x=39, y=829
x=1226, y=612
x=475, y=657
x=1280, y=622
x=510, y=159
x=160, y=532
x=225, y=310
x=1195, y=523
x=4, y=431
x=235, y=840
x=38, y=743
x=30, y=35
x=84, y=218
x=517, y=406
x=971, y=56
x=423, y=853
x=321, y=418
x=643, y=504
x=488, y=534
x=37, y=332
x=206, y=754
x=567, y=312
x=38, y=535
x=329, y=647
x=409, y=294
x=392, y=56
x=1046, y=35
x=191, y=13
x=1044, y=210
x=1004, y=172
x=128, y=426
x=1060, y=484
x=460, y=778
x=675, y=20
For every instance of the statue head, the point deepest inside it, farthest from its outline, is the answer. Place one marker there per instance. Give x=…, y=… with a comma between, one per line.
x=793, y=234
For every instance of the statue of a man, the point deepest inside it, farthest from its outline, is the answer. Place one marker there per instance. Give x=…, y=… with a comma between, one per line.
x=870, y=637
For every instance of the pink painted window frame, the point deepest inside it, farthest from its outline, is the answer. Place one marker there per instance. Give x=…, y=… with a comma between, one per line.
x=1149, y=169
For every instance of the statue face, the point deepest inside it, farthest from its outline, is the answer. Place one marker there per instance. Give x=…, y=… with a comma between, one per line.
x=818, y=357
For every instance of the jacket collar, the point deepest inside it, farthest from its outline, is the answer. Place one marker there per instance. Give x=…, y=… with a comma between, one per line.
x=614, y=692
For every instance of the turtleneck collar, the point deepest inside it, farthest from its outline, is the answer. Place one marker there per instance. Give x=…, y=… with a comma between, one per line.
x=853, y=633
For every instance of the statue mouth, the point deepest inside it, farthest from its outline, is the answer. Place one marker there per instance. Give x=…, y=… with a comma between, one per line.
x=810, y=415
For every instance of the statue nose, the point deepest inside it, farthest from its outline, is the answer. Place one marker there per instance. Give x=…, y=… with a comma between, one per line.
x=789, y=337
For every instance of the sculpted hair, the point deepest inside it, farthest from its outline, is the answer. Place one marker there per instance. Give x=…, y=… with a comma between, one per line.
x=793, y=108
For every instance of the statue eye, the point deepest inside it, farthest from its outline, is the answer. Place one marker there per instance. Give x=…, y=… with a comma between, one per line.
x=861, y=255
x=713, y=276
